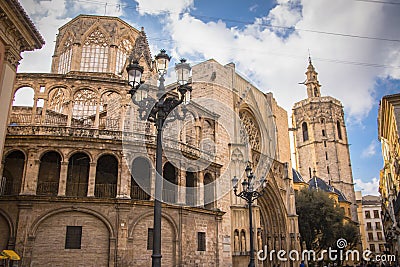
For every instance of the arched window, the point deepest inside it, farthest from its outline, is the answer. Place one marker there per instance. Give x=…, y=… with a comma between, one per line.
x=304, y=128
x=169, y=183
x=141, y=178
x=78, y=175
x=110, y=114
x=106, y=176
x=49, y=174
x=64, y=59
x=57, y=109
x=339, y=130
x=209, y=191
x=14, y=165
x=249, y=130
x=84, y=111
x=191, y=188
x=208, y=137
x=58, y=100
x=22, y=106
x=124, y=49
x=95, y=53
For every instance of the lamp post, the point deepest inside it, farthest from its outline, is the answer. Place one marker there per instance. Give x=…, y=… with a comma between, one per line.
x=250, y=195
x=156, y=110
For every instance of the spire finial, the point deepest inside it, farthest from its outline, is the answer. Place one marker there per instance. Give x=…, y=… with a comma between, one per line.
x=309, y=56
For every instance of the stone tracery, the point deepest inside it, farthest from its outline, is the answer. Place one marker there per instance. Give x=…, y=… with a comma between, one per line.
x=249, y=132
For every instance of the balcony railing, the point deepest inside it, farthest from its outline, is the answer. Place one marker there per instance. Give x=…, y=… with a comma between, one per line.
x=169, y=196
x=76, y=189
x=9, y=188
x=137, y=193
x=47, y=189
x=108, y=123
x=105, y=190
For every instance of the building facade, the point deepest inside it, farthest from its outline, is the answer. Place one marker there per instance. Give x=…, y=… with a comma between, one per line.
x=389, y=187
x=78, y=174
x=371, y=229
x=17, y=34
x=320, y=140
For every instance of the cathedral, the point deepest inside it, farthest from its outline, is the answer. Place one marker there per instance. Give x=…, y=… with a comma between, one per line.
x=77, y=186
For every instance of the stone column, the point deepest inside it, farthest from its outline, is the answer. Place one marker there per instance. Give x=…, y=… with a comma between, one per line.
x=112, y=58
x=10, y=62
x=70, y=112
x=35, y=99
x=181, y=186
x=200, y=189
x=44, y=110
x=92, y=179
x=97, y=118
x=23, y=241
x=62, y=185
x=124, y=180
x=76, y=50
x=198, y=135
x=29, y=180
x=122, y=117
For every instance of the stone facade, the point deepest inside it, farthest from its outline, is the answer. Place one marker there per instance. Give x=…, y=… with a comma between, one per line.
x=370, y=219
x=17, y=34
x=320, y=138
x=389, y=186
x=83, y=160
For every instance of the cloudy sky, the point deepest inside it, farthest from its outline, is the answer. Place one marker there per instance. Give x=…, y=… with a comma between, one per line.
x=354, y=45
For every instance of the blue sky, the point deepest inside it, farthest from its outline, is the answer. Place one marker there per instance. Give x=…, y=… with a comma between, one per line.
x=269, y=41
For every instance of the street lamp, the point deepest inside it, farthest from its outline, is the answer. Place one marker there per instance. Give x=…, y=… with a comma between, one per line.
x=156, y=110
x=250, y=195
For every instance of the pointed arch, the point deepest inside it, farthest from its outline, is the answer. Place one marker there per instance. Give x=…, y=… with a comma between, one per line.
x=95, y=51
x=124, y=49
x=65, y=53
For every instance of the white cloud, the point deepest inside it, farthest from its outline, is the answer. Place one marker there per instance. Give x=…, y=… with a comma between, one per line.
x=367, y=188
x=278, y=64
x=370, y=150
x=155, y=7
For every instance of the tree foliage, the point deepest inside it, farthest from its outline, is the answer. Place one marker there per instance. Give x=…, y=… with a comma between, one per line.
x=321, y=221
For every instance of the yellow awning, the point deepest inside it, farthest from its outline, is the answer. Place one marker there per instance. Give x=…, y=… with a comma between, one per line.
x=10, y=254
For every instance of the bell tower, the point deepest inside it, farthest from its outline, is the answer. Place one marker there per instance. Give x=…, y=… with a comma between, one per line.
x=320, y=139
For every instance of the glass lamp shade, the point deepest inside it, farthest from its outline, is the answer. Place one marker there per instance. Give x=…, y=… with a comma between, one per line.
x=182, y=72
x=135, y=72
x=248, y=171
x=235, y=182
x=162, y=60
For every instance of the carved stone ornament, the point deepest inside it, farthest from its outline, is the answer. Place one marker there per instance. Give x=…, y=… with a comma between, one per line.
x=249, y=132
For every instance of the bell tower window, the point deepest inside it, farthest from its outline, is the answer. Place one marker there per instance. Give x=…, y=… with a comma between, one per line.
x=339, y=130
x=305, y=131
